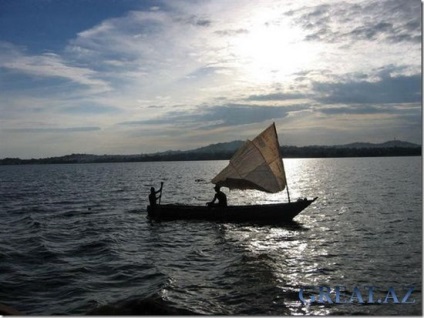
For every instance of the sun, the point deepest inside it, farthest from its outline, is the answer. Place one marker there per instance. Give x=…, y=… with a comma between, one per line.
x=270, y=52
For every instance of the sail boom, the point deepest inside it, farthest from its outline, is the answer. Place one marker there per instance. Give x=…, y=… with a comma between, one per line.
x=237, y=184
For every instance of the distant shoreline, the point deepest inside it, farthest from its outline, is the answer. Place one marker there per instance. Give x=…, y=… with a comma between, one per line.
x=197, y=155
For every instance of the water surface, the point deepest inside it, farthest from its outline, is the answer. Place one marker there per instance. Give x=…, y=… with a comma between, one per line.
x=75, y=237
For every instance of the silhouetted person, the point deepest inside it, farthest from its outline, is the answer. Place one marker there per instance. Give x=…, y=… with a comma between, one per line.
x=220, y=196
x=152, y=195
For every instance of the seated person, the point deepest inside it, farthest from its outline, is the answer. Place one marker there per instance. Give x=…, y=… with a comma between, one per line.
x=220, y=196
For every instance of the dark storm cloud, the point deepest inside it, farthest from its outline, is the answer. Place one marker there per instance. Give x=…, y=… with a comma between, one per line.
x=392, y=21
x=399, y=89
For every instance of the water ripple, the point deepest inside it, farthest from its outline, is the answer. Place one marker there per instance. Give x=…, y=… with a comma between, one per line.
x=74, y=239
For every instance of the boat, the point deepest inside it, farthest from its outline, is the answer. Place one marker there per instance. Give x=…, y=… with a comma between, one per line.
x=256, y=165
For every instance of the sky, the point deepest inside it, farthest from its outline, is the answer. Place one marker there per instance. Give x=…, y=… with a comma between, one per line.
x=145, y=76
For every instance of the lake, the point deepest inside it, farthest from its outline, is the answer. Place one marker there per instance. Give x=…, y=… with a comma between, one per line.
x=75, y=237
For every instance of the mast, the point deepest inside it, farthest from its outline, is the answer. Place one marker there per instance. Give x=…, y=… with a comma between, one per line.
x=281, y=158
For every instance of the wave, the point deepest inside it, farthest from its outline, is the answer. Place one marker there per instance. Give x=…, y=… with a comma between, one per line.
x=153, y=305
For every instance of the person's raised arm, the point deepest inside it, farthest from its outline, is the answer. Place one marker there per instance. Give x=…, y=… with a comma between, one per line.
x=160, y=190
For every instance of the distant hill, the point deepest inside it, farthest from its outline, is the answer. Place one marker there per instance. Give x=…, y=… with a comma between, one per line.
x=224, y=151
x=231, y=146
x=387, y=144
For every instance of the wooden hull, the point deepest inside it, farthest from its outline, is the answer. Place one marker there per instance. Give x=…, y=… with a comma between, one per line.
x=281, y=212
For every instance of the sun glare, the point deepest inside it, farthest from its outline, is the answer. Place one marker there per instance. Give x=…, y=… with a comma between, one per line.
x=270, y=52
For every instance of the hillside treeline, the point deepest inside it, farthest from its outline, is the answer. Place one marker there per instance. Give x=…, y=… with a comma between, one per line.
x=286, y=151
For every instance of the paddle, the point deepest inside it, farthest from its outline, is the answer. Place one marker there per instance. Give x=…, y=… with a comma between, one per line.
x=161, y=187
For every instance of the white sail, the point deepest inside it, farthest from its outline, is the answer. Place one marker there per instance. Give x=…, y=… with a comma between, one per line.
x=256, y=165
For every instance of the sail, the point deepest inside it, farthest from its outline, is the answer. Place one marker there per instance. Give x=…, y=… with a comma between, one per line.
x=256, y=165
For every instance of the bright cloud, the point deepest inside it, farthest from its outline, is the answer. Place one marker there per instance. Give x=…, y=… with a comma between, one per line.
x=155, y=76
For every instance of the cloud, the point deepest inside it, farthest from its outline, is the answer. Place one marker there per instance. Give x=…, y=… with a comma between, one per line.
x=231, y=32
x=145, y=37
x=49, y=65
x=196, y=21
x=147, y=53
x=90, y=109
x=239, y=114
x=179, y=71
x=221, y=116
x=391, y=21
x=370, y=109
x=52, y=130
x=276, y=97
x=207, y=71
x=399, y=89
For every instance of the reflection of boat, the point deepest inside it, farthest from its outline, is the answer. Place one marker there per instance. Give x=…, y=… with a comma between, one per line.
x=256, y=165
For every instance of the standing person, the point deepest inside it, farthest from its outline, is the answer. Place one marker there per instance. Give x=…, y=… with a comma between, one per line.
x=152, y=195
x=220, y=196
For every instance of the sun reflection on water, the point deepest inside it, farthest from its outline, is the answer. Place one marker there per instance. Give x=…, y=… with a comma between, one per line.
x=299, y=186
x=292, y=260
